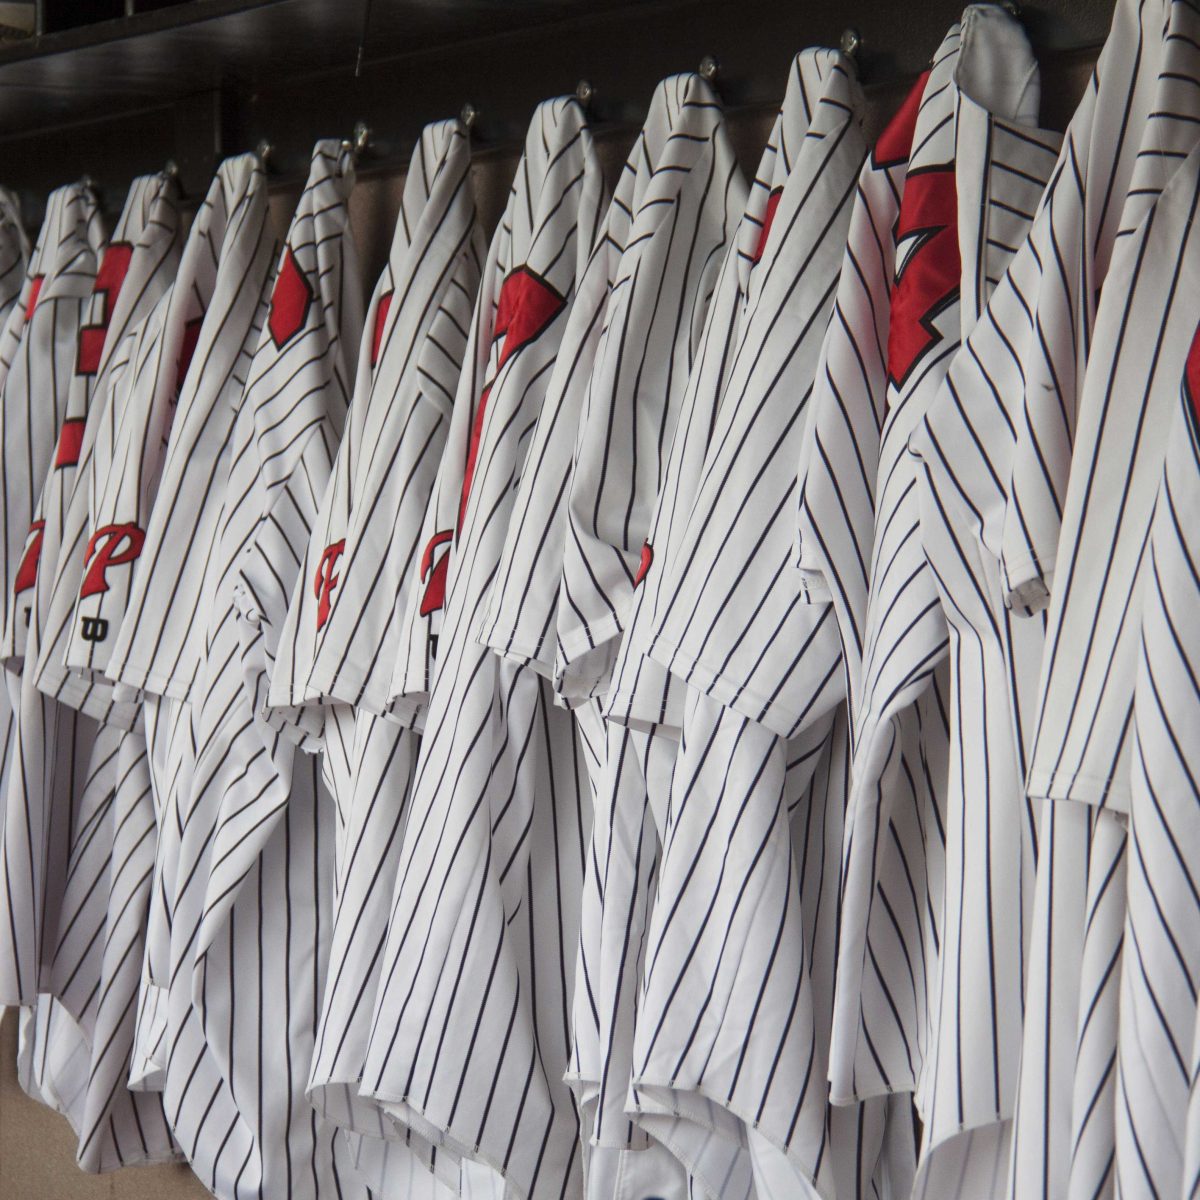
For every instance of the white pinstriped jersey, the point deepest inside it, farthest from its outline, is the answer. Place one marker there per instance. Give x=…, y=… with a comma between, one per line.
x=972, y=184
x=635, y=786
x=664, y=196
x=254, y=872
x=525, y=309
x=1141, y=342
x=163, y=659
x=471, y=1025
x=650, y=216
x=121, y=845
x=71, y=240
x=836, y=517
x=383, y=477
x=169, y=589
x=68, y=773
x=1017, y=382
x=653, y=325
x=14, y=259
x=40, y=360
x=1157, y=1151
x=420, y=354
x=749, y=1060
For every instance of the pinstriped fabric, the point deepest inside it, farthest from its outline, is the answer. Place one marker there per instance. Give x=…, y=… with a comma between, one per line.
x=487, y=355
x=471, y=1025
x=420, y=358
x=14, y=260
x=41, y=359
x=1154, y=266
x=412, y=351
x=383, y=477
x=122, y=489
x=731, y=612
x=1017, y=385
x=602, y=344
x=885, y=1028
x=1080, y=751
x=1157, y=1153
x=680, y=235
x=836, y=510
x=69, y=773
x=253, y=865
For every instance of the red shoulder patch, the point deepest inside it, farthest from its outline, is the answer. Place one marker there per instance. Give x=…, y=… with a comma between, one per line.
x=291, y=298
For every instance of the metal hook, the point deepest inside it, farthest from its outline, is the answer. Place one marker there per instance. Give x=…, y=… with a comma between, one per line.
x=585, y=93
x=88, y=182
x=851, y=43
x=468, y=116
x=710, y=66
x=1011, y=7
x=360, y=139
x=265, y=151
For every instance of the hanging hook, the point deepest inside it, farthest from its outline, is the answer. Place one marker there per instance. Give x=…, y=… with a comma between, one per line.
x=265, y=150
x=468, y=116
x=88, y=182
x=851, y=43
x=360, y=139
x=710, y=67
x=1011, y=7
x=585, y=93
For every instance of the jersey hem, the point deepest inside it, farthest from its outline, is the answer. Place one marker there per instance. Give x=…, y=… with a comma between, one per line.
x=729, y=693
x=1108, y=793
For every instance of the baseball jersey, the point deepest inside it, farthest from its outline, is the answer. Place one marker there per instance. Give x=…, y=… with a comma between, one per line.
x=68, y=774
x=653, y=328
x=980, y=161
x=124, y=478
x=420, y=353
x=14, y=258
x=678, y=189
x=1081, y=749
x=1018, y=383
x=1156, y=1149
x=836, y=516
x=40, y=360
x=471, y=1026
x=686, y=1064
x=382, y=480
x=605, y=320
x=155, y=634
x=253, y=877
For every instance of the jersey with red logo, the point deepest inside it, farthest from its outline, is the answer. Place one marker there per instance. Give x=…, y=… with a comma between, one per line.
x=668, y=221
x=507, y=288
x=255, y=857
x=484, y=917
x=39, y=357
x=67, y=772
x=381, y=486
x=159, y=643
x=127, y=468
x=653, y=328
x=519, y=624
x=1006, y=421
x=363, y=546
x=108, y=887
x=736, y=774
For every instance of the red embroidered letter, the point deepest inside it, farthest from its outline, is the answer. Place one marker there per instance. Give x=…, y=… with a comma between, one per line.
x=27, y=571
x=326, y=580
x=102, y=553
x=928, y=269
